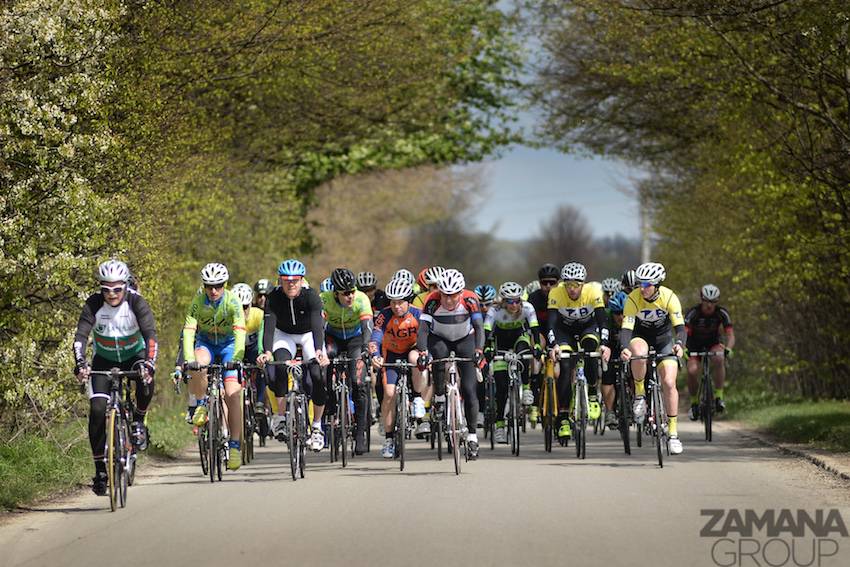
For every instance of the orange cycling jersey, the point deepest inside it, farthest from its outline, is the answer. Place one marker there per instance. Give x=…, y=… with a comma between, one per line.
x=396, y=334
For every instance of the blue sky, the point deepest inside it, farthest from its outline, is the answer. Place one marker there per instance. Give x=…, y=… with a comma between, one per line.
x=525, y=185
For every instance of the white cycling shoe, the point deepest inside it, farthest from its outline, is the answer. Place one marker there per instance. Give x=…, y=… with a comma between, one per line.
x=418, y=407
x=639, y=409
x=388, y=450
x=675, y=446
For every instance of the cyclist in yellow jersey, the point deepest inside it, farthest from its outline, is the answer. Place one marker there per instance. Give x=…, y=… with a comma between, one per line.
x=253, y=332
x=430, y=277
x=653, y=318
x=575, y=310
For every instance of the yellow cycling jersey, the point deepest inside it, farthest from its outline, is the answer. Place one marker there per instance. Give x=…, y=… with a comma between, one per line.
x=578, y=311
x=419, y=300
x=653, y=316
x=254, y=320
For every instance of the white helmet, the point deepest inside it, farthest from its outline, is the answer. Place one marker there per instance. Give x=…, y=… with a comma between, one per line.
x=244, y=292
x=451, y=282
x=610, y=285
x=366, y=280
x=399, y=289
x=404, y=274
x=532, y=286
x=214, y=274
x=710, y=292
x=113, y=271
x=510, y=290
x=574, y=272
x=432, y=274
x=651, y=272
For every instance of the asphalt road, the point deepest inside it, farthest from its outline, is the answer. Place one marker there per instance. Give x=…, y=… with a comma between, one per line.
x=538, y=509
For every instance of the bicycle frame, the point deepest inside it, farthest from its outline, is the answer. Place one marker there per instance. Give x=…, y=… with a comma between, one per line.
x=656, y=422
x=515, y=368
x=344, y=442
x=581, y=400
x=454, y=418
x=402, y=426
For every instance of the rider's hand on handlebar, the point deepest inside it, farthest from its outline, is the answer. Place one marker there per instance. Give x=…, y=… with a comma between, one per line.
x=606, y=354
x=82, y=372
x=194, y=365
x=322, y=358
x=480, y=359
x=148, y=370
x=678, y=350
x=555, y=353
x=177, y=375
x=625, y=355
x=424, y=360
x=377, y=361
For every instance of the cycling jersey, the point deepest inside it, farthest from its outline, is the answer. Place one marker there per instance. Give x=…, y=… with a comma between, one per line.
x=381, y=301
x=297, y=316
x=653, y=320
x=121, y=333
x=498, y=317
x=452, y=325
x=215, y=324
x=396, y=334
x=575, y=312
x=539, y=300
x=344, y=322
x=254, y=321
x=704, y=330
x=419, y=300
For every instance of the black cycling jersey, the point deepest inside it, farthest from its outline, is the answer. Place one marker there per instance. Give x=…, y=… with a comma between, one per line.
x=538, y=299
x=381, y=301
x=297, y=316
x=705, y=329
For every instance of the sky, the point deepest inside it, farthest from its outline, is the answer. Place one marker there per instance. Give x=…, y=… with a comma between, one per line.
x=524, y=186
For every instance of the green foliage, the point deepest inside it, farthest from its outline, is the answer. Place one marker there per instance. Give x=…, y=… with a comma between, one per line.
x=169, y=433
x=171, y=134
x=740, y=111
x=824, y=424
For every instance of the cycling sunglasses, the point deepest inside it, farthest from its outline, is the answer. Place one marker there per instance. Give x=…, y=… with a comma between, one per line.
x=112, y=289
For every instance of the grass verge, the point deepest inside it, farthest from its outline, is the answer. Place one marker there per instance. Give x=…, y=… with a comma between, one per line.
x=168, y=431
x=822, y=424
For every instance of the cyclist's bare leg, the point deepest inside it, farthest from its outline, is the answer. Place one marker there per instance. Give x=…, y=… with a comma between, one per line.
x=608, y=395
x=694, y=366
x=198, y=378
x=233, y=407
x=388, y=406
x=668, y=370
x=638, y=347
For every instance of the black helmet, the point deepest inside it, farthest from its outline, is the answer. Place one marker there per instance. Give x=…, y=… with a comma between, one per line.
x=343, y=279
x=548, y=271
x=629, y=280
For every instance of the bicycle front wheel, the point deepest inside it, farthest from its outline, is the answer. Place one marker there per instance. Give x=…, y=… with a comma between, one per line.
x=303, y=419
x=400, y=425
x=203, y=447
x=292, y=435
x=123, y=454
x=658, y=424
x=708, y=406
x=344, y=423
x=514, y=428
x=212, y=437
x=112, y=470
x=623, y=409
x=454, y=429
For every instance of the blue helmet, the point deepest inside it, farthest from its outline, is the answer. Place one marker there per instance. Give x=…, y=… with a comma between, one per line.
x=617, y=302
x=326, y=285
x=291, y=267
x=486, y=293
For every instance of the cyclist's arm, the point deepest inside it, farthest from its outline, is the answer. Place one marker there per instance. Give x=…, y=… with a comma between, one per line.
x=629, y=315
x=317, y=321
x=551, y=321
x=269, y=325
x=180, y=360
x=84, y=327
x=378, y=332
x=602, y=324
x=147, y=325
x=189, y=327
x=423, y=332
x=239, y=330
x=674, y=308
x=478, y=325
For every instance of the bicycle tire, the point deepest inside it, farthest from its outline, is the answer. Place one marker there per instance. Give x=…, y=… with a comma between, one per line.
x=401, y=424
x=454, y=429
x=490, y=414
x=111, y=472
x=292, y=435
x=302, y=433
x=658, y=429
x=212, y=438
x=549, y=408
x=514, y=409
x=623, y=417
x=203, y=439
x=581, y=421
x=439, y=435
x=331, y=435
x=123, y=456
x=708, y=410
x=344, y=424
x=221, y=456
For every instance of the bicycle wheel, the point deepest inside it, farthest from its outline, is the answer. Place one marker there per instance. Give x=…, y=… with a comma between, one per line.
x=212, y=438
x=707, y=412
x=247, y=427
x=123, y=456
x=490, y=412
x=111, y=458
x=454, y=429
x=513, y=419
x=292, y=434
x=221, y=441
x=548, y=406
x=657, y=424
x=623, y=414
x=400, y=425
x=203, y=448
x=439, y=434
x=344, y=422
x=581, y=421
x=303, y=420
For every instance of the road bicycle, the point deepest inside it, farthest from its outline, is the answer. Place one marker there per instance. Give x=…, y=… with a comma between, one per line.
x=655, y=422
x=404, y=422
x=706, y=390
x=548, y=404
x=581, y=400
x=455, y=422
x=297, y=415
x=515, y=415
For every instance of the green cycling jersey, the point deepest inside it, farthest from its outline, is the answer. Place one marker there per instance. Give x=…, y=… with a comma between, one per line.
x=344, y=322
x=215, y=323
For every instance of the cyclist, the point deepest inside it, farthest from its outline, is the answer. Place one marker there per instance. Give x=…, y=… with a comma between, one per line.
x=452, y=321
x=293, y=318
x=547, y=278
x=393, y=340
x=349, y=324
x=703, y=323
x=261, y=291
x=610, y=286
x=575, y=310
x=486, y=296
x=215, y=328
x=512, y=325
x=653, y=318
x=326, y=285
x=124, y=337
x=428, y=279
x=253, y=335
x=609, y=376
x=367, y=282
x=406, y=275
